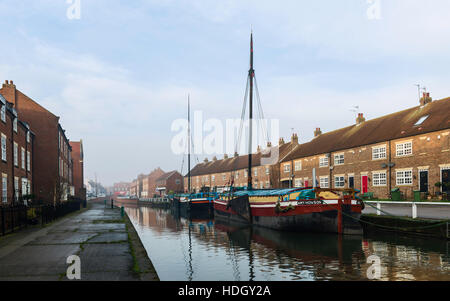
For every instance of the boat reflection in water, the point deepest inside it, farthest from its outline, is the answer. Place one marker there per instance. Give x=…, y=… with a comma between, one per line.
x=184, y=248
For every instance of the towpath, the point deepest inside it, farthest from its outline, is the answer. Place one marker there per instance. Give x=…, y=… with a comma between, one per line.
x=105, y=242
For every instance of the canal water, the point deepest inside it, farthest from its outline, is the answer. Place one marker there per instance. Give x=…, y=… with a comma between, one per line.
x=184, y=249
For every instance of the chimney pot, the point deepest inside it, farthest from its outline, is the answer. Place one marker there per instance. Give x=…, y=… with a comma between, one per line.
x=225, y=156
x=360, y=118
x=269, y=144
x=317, y=132
x=281, y=141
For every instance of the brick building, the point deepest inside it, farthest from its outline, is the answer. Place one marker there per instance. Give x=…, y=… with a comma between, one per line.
x=122, y=188
x=52, y=152
x=17, y=143
x=216, y=175
x=169, y=182
x=409, y=150
x=78, y=169
x=149, y=183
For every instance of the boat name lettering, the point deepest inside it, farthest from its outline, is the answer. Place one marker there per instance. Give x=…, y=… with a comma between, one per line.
x=309, y=203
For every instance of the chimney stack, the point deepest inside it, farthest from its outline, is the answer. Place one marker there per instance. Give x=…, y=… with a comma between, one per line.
x=269, y=144
x=214, y=158
x=236, y=154
x=360, y=118
x=294, y=138
x=225, y=156
x=258, y=150
x=425, y=99
x=281, y=141
x=317, y=132
x=206, y=160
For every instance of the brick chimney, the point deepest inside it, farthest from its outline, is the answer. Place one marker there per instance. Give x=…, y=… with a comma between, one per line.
x=294, y=138
x=236, y=154
x=9, y=91
x=360, y=119
x=269, y=144
x=214, y=158
x=258, y=150
x=425, y=99
x=281, y=141
x=206, y=160
x=317, y=132
x=225, y=156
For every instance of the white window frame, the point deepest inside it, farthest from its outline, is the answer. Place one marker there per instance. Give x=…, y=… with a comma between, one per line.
x=3, y=113
x=28, y=161
x=255, y=172
x=339, y=180
x=16, y=154
x=298, y=165
x=379, y=179
x=287, y=168
x=4, y=188
x=379, y=152
x=324, y=182
x=298, y=183
x=15, y=124
x=403, y=149
x=323, y=161
x=404, y=177
x=22, y=156
x=4, y=154
x=267, y=170
x=339, y=159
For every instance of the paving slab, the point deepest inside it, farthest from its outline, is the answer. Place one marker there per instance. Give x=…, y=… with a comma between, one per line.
x=98, y=236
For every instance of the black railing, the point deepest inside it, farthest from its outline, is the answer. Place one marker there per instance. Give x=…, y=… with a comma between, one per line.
x=16, y=217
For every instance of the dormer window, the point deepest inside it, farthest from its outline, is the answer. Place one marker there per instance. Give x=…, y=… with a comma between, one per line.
x=28, y=137
x=421, y=120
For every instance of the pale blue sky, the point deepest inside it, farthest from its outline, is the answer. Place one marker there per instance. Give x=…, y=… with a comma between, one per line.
x=119, y=76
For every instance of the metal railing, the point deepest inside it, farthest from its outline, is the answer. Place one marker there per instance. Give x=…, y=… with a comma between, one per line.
x=155, y=200
x=414, y=206
x=16, y=217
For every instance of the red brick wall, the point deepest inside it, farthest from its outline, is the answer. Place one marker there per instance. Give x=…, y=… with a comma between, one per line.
x=78, y=169
x=44, y=125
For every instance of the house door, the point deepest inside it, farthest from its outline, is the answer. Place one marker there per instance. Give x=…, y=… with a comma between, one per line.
x=351, y=182
x=446, y=180
x=306, y=183
x=364, y=184
x=423, y=175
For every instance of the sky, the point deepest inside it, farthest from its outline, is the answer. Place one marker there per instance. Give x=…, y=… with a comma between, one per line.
x=119, y=72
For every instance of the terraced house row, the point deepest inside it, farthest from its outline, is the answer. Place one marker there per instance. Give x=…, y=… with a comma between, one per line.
x=37, y=160
x=408, y=150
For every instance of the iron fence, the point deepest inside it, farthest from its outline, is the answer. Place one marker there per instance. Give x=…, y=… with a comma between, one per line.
x=16, y=217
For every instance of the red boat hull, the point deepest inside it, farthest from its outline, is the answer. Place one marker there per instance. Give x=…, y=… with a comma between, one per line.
x=336, y=216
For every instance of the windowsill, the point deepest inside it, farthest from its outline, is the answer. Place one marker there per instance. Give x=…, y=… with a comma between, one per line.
x=379, y=159
x=404, y=156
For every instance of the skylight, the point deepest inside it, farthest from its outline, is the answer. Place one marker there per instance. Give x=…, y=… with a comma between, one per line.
x=421, y=120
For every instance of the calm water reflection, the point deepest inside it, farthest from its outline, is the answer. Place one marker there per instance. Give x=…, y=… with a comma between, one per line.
x=183, y=249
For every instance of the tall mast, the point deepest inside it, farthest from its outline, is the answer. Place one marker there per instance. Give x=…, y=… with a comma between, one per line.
x=251, y=74
x=189, y=145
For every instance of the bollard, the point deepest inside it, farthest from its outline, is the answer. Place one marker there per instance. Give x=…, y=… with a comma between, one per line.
x=105, y=202
x=112, y=204
x=378, y=208
x=414, y=210
x=122, y=211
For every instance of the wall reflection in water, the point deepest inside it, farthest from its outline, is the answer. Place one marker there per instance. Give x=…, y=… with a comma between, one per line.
x=198, y=248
